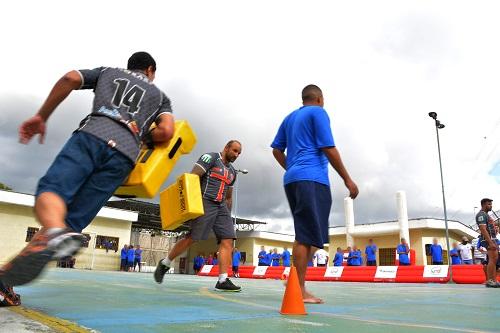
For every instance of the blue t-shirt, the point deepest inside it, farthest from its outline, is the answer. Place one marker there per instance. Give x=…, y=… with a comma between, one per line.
x=310, y=263
x=286, y=258
x=275, y=257
x=215, y=262
x=123, y=254
x=236, y=258
x=403, y=258
x=302, y=134
x=131, y=255
x=138, y=254
x=338, y=259
x=437, y=253
x=455, y=260
x=262, y=257
x=355, y=258
x=370, y=252
x=269, y=258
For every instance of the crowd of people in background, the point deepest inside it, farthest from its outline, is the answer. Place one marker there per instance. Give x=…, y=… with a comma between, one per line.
x=131, y=258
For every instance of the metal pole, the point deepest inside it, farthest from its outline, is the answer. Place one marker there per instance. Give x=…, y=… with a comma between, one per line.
x=444, y=205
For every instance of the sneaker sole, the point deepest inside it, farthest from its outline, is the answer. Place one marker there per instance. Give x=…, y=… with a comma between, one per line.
x=24, y=269
x=227, y=290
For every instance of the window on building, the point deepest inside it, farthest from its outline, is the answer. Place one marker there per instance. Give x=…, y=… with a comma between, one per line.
x=30, y=233
x=106, y=242
x=87, y=240
x=387, y=257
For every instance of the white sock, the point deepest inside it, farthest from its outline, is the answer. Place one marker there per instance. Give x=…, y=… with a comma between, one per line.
x=51, y=231
x=222, y=277
x=166, y=262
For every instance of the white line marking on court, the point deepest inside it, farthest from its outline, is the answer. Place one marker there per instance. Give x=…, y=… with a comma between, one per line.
x=303, y=322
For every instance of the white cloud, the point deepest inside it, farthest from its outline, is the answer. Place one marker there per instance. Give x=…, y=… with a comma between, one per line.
x=235, y=70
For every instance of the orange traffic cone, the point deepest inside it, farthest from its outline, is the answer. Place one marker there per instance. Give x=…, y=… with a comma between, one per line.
x=292, y=300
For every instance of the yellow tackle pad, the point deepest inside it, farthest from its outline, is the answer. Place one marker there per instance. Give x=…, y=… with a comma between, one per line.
x=181, y=201
x=154, y=165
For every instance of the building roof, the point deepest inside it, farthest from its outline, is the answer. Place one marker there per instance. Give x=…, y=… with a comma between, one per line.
x=28, y=200
x=392, y=227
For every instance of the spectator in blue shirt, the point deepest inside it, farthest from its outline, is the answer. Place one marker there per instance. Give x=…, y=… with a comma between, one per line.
x=348, y=258
x=236, y=262
x=355, y=256
x=197, y=263
x=275, y=257
x=269, y=258
x=455, y=257
x=403, y=250
x=138, y=257
x=130, y=258
x=286, y=257
x=338, y=260
x=371, y=253
x=123, y=258
x=263, y=257
x=436, y=253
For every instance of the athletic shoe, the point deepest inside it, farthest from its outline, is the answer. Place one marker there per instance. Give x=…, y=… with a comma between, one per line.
x=227, y=286
x=492, y=284
x=43, y=248
x=8, y=297
x=160, y=272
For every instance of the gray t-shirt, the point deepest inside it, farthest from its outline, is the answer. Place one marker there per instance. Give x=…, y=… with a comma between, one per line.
x=217, y=178
x=482, y=218
x=125, y=105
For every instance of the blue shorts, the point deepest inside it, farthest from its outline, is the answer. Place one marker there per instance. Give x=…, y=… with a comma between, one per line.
x=85, y=174
x=310, y=203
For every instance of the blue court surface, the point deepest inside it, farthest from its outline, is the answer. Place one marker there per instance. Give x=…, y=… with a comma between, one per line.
x=133, y=302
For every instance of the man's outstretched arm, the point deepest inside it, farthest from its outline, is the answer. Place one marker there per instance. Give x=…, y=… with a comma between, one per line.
x=36, y=124
x=333, y=156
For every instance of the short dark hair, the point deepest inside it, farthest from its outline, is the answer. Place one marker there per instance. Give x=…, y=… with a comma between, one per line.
x=230, y=142
x=485, y=200
x=141, y=61
x=311, y=92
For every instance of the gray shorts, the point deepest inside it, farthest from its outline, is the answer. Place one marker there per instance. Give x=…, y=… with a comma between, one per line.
x=217, y=218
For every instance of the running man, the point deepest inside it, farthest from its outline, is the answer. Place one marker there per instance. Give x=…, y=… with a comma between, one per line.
x=96, y=159
x=489, y=235
x=307, y=138
x=217, y=176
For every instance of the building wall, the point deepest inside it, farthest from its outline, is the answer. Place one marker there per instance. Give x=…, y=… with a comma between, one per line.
x=418, y=239
x=15, y=220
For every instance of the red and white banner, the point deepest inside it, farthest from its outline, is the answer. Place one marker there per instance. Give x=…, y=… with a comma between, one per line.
x=435, y=271
x=334, y=271
x=386, y=272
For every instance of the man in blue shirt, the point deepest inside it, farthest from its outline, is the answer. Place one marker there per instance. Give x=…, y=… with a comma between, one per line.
x=197, y=263
x=307, y=138
x=275, y=258
x=130, y=258
x=263, y=257
x=436, y=253
x=236, y=262
x=348, y=258
x=269, y=258
x=355, y=256
x=403, y=250
x=339, y=257
x=455, y=257
x=138, y=257
x=286, y=257
x=123, y=258
x=371, y=253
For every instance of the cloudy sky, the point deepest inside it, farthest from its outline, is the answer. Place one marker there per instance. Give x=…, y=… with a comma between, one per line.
x=235, y=69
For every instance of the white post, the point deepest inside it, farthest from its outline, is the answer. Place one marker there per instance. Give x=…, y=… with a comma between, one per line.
x=404, y=230
x=349, y=220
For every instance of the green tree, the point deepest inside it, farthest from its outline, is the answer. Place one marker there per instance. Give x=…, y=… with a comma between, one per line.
x=5, y=187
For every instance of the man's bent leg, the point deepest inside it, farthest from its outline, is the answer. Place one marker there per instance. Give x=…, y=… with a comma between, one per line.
x=50, y=210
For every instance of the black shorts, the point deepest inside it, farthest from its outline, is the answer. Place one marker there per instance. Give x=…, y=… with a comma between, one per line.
x=235, y=269
x=310, y=203
x=217, y=218
x=321, y=265
x=371, y=263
